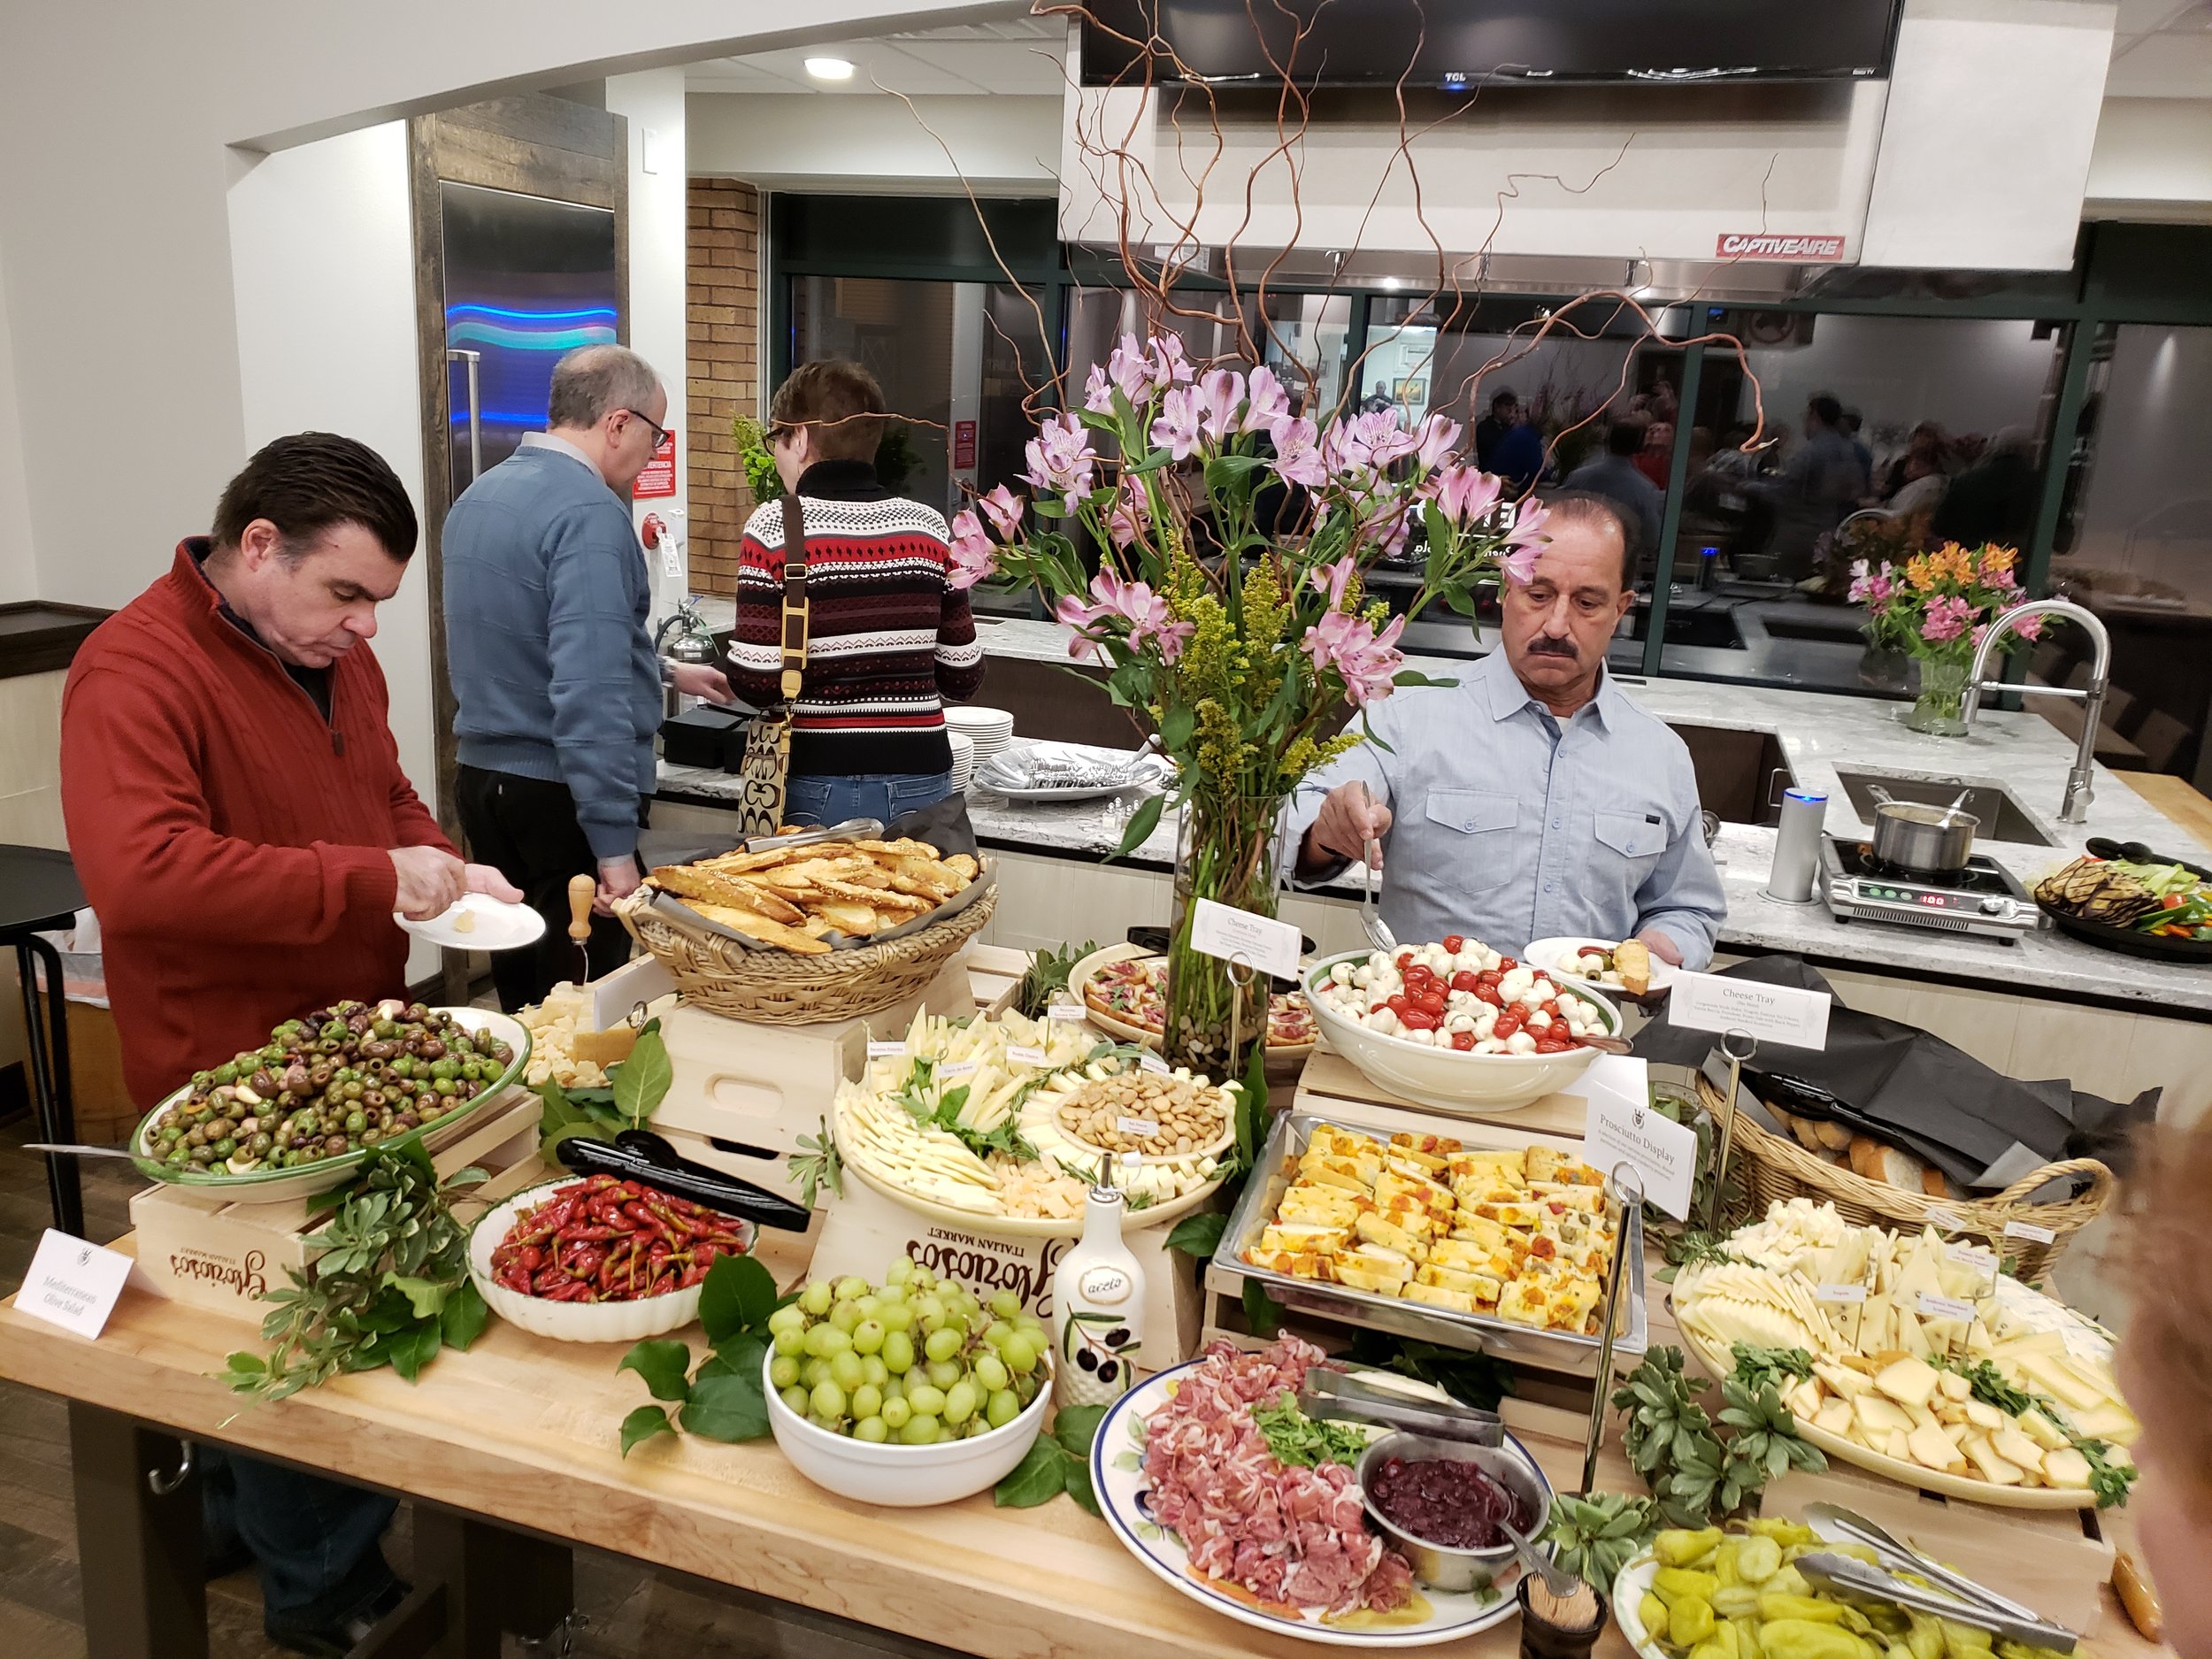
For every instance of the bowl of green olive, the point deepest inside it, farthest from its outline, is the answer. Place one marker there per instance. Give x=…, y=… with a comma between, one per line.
x=298, y=1115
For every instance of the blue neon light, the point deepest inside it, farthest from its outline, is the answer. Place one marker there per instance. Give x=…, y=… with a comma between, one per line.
x=607, y=311
x=529, y=339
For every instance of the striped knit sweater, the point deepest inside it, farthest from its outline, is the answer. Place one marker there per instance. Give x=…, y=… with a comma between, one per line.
x=888, y=642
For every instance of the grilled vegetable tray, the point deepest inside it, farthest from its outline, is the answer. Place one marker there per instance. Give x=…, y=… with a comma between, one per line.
x=1567, y=1352
x=2126, y=936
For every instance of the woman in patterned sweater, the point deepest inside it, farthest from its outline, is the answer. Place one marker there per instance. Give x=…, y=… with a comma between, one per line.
x=888, y=639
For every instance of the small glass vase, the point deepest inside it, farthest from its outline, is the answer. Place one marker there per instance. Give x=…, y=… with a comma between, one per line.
x=1942, y=693
x=1229, y=850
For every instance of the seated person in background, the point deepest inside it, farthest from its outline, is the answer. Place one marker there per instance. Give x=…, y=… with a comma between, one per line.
x=1505, y=414
x=2166, y=1372
x=1532, y=798
x=1616, y=475
x=1993, y=500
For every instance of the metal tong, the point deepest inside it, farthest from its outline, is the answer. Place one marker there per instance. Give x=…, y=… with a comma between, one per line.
x=1899, y=1555
x=639, y=1155
x=1345, y=1398
x=1854, y=1581
x=846, y=831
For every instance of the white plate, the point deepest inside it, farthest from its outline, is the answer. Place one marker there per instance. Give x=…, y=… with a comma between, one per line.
x=497, y=927
x=1630, y=1583
x=1546, y=953
x=1117, y=1476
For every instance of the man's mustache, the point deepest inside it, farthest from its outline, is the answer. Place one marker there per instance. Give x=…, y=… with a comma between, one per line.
x=1546, y=645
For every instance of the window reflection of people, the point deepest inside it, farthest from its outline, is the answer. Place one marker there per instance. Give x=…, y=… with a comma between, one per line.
x=1925, y=453
x=1657, y=453
x=1614, y=475
x=1379, y=399
x=1505, y=414
x=1993, y=500
x=1518, y=455
x=1852, y=421
x=1815, y=489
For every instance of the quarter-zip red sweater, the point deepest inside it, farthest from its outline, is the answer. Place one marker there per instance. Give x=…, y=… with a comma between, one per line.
x=233, y=843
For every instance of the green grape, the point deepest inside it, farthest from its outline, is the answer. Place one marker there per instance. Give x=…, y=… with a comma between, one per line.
x=921, y=1280
x=942, y=1344
x=920, y=1429
x=944, y=1372
x=790, y=1316
x=846, y=1316
x=932, y=1311
x=812, y=1372
x=960, y=1403
x=815, y=1299
x=828, y=1399
x=991, y=1371
x=894, y=1387
x=1020, y=1357
x=927, y=1400
x=822, y=1340
x=944, y=1435
x=896, y=1412
x=827, y=1425
x=1006, y=1304
x=845, y=1371
x=1002, y=1408
x=868, y=1336
x=898, y=1352
x=852, y=1287
x=872, y=1370
x=783, y=1371
x=870, y=1305
x=1032, y=1327
x=896, y=1316
x=874, y=1430
x=790, y=1342
x=899, y=1272
x=867, y=1400
x=796, y=1397
x=998, y=1333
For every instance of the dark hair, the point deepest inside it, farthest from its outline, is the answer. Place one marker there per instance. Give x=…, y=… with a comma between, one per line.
x=839, y=402
x=1626, y=437
x=1583, y=506
x=1852, y=420
x=592, y=383
x=310, y=481
x=1503, y=395
x=1826, y=409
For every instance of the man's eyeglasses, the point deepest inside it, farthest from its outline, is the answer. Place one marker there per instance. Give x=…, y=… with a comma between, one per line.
x=779, y=432
x=660, y=432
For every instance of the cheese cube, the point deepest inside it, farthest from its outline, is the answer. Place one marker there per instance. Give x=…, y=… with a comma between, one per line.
x=1909, y=1382
x=1834, y=1417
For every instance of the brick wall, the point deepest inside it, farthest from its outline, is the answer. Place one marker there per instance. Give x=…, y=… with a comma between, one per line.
x=723, y=314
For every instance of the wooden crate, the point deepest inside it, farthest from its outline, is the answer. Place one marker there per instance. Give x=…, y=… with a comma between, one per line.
x=221, y=1254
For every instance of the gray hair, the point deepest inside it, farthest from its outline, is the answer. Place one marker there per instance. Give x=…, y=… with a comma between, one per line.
x=592, y=383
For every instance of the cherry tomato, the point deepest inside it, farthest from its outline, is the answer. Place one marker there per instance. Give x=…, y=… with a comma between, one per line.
x=1414, y=1020
x=1489, y=994
x=1455, y=942
x=1490, y=976
x=1376, y=1007
x=1552, y=1008
x=1433, y=1004
x=1549, y=1045
x=1398, y=1003
x=1463, y=1040
x=1508, y=1022
x=1505, y=965
x=1465, y=981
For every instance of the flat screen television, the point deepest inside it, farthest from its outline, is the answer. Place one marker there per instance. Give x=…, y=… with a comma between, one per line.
x=1463, y=45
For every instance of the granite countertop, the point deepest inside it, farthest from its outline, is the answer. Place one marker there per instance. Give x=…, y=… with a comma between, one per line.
x=2019, y=752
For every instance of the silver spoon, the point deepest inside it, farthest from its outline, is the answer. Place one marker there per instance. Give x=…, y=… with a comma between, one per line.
x=1557, y=1579
x=1954, y=807
x=1378, y=931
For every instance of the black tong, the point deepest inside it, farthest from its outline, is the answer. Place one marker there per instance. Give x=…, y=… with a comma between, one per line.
x=639, y=1155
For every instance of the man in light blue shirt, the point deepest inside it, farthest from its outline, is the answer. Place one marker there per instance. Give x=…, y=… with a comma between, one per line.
x=1533, y=799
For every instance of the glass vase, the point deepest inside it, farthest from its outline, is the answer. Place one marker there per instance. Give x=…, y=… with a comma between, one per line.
x=1229, y=850
x=1942, y=694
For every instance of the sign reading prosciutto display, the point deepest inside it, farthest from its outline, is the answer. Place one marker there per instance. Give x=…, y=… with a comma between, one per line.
x=1768, y=245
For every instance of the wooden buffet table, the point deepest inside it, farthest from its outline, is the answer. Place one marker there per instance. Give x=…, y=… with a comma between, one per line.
x=510, y=1452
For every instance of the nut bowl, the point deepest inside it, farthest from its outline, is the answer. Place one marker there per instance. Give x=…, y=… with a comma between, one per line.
x=1438, y=1564
x=1458, y=1084
x=902, y=1476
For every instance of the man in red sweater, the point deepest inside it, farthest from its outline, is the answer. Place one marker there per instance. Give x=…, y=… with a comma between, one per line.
x=238, y=817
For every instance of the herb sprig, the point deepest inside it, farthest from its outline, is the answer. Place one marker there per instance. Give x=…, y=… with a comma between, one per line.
x=1302, y=1442
x=2108, y=1480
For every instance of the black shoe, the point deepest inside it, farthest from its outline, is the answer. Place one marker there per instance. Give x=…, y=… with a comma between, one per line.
x=339, y=1637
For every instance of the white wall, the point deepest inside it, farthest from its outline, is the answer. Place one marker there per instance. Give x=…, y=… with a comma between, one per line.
x=322, y=243
x=1966, y=376
x=2149, y=511
x=18, y=573
x=2153, y=160
x=1004, y=146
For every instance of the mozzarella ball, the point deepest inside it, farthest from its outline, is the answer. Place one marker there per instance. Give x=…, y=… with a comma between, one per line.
x=1520, y=1042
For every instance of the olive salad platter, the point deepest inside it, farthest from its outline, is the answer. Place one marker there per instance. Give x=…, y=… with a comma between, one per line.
x=295, y=1116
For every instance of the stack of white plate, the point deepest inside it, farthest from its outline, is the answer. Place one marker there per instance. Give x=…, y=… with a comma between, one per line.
x=989, y=729
x=963, y=757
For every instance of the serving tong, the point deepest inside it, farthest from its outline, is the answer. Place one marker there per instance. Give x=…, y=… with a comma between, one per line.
x=1897, y=1554
x=850, y=828
x=639, y=1155
x=1854, y=1581
x=1344, y=1398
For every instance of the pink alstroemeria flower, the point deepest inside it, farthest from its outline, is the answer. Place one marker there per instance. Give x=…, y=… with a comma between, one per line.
x=1298, y=457
x=1098, y=392
x=1220, y=395
x=1131, y=514
x=973, y=557
x=1336, y=580
x=1178, y=429
x=1435, y=438
x=1946, y=620
x=1004, y=509
x=1269, y=404
x=1143, y=613
x=1060, y=460
x=1465, y=495
x=1170, y=365
x=1129, y=366
x=1367, y=660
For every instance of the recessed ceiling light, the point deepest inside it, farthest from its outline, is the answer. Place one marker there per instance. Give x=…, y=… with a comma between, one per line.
x=829, y=68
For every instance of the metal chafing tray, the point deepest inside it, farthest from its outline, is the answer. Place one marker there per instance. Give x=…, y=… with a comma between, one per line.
x=1562, y=1351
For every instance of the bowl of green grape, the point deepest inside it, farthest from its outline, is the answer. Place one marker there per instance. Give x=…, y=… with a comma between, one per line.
x=913, y=1392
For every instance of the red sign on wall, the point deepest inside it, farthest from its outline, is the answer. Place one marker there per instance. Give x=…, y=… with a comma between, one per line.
x=962, y=443
x=659, y=476
x=1766, y=245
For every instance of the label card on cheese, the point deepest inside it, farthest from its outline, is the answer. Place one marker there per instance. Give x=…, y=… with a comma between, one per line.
x=1235, y=935
x=73, y=1284
x=1772, y=1013
x=1663, y=1153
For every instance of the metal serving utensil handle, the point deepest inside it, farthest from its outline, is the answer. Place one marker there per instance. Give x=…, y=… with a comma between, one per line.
x=1625, y=1190
x=1856, y=1581
x=1437, y=1424
x=1900, y=1554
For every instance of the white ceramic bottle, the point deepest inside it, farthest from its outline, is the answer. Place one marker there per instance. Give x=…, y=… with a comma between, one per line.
x=1097, y=1309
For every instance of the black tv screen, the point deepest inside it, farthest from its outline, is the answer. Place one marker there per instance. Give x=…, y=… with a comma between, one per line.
x=1465, y=44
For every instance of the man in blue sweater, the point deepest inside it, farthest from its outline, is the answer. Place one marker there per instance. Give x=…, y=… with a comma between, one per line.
x=559, y=688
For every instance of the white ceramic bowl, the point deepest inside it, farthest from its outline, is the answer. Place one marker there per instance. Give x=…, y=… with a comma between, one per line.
x=902, y=1476
x=571, y=1321
x=1444, y=1078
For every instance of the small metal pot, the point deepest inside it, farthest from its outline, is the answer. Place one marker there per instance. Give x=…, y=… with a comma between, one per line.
x=1927, y=838
x=1457, y=1570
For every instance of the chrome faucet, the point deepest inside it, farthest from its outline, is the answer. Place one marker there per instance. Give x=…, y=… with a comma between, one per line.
x=2074, y=808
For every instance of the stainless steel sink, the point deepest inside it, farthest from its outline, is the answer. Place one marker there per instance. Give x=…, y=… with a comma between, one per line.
x=2003, y=817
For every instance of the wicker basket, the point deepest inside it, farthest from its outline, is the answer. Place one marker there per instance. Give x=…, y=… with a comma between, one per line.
x=1766, y=1167
x=776, y=988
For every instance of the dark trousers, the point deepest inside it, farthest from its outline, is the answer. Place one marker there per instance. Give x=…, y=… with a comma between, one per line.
x=315, y=1541
x=526, y=829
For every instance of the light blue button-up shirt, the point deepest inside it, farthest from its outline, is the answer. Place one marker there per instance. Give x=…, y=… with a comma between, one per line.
x=1508, y=827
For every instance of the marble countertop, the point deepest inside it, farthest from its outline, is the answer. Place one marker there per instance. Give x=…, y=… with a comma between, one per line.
x=2018, y=752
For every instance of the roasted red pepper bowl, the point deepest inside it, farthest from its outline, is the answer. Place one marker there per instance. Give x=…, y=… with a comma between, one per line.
x=595, y=1259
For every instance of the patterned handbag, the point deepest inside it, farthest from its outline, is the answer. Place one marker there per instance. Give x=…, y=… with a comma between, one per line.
x=766, y=762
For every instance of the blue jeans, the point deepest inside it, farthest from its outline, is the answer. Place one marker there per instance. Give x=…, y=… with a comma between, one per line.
x=819, y=802
x=314, y=1540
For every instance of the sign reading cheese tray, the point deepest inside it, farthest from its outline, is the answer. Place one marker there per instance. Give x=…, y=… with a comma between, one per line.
x=1772, y=1013
x=1775, y=247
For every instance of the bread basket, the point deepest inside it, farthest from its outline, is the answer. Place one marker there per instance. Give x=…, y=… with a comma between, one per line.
x=1765, y=1167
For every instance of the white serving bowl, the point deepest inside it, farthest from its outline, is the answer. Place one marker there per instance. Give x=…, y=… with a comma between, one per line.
x=1449, y=1081
x=573, y=1321
x=902, y=1476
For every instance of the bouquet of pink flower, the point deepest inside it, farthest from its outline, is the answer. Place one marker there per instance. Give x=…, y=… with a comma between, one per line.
x=1936, y=607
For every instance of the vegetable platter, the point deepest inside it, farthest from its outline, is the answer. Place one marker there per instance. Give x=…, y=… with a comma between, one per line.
x=1004, y=1122
x=1915, y=1358
x=2122, y=896
x=388, y=1041
x=1156, y=1467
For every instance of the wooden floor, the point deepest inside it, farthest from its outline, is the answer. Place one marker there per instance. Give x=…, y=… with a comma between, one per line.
x=626, y=1611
